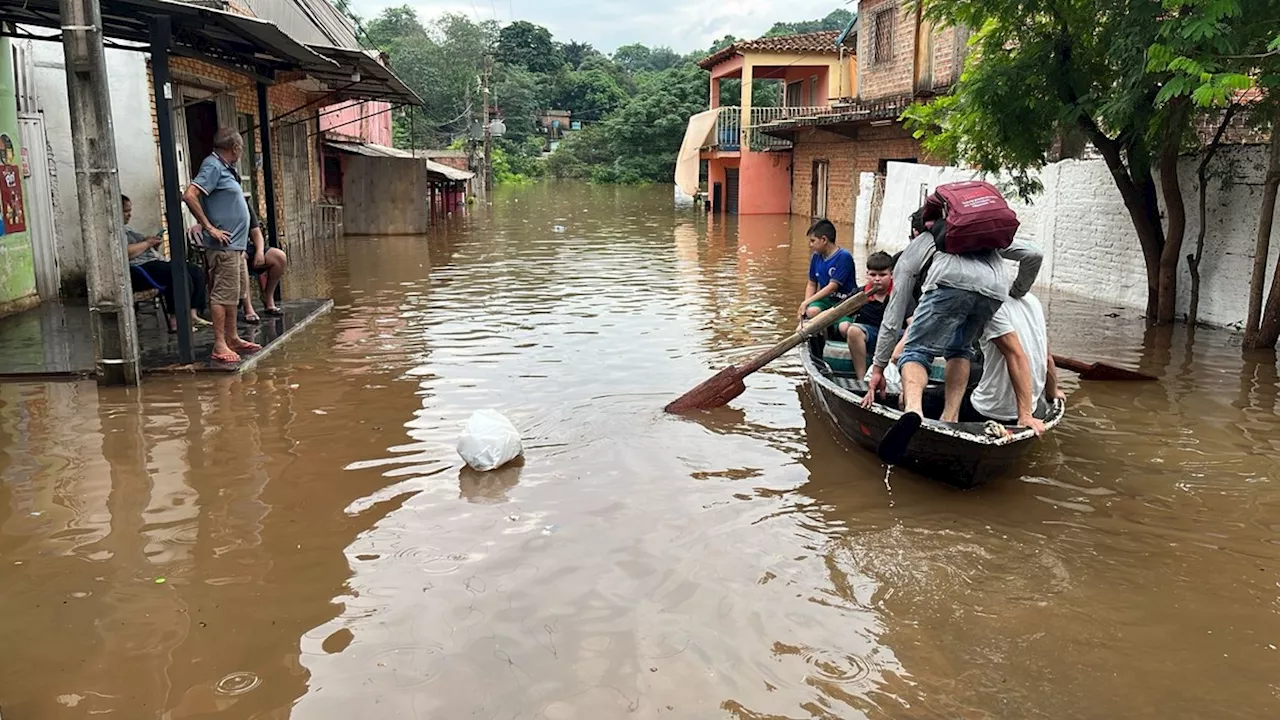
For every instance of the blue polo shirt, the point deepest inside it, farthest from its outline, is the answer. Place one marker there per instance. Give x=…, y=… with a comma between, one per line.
x=838, y=267
x=223, y=202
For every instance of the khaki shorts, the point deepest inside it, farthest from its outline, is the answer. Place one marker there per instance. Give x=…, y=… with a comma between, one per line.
x=228, y=276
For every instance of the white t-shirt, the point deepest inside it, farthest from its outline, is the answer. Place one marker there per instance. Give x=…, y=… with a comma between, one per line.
x=994, y=396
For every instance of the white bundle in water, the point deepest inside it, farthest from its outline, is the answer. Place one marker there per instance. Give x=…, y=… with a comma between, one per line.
x=489, y=441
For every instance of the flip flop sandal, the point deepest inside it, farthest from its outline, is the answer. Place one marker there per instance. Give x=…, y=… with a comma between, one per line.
x=249, y=347
x=252, y=319
x=893, y=446
x=226, y=358
x=273, y=311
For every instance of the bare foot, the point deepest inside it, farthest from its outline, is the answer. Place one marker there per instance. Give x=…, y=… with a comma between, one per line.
x=243, y=345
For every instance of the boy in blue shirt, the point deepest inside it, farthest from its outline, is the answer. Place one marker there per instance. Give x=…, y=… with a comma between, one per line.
x=832, y=277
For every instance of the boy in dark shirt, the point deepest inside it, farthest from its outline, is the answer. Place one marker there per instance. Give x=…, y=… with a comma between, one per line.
x=864, y=330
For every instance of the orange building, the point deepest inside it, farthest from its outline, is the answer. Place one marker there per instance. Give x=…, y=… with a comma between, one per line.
x=748, y=172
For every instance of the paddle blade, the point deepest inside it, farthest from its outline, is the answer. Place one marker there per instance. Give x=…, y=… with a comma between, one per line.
x=1104, y=372
x=1100, y=371
x=712, y=393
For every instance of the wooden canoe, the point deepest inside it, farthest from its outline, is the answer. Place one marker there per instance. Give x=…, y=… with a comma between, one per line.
x=960, y=454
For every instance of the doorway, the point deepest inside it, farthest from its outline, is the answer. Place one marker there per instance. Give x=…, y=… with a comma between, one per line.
x=731, y=190
x=202, y=123
x=820, y=180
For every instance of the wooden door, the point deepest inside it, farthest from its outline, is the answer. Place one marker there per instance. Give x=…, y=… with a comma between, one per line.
x=818, y=199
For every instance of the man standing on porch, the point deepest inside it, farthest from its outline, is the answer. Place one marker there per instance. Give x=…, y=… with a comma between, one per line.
x=217, y=202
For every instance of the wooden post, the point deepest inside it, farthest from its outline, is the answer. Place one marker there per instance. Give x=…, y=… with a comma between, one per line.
x=268, y=171
x=160, y=42
x=115, y=334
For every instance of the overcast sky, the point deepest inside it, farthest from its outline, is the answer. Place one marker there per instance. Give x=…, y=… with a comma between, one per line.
x=685, y=25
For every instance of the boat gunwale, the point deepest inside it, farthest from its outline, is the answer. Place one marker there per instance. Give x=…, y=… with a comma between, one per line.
x=816, y=375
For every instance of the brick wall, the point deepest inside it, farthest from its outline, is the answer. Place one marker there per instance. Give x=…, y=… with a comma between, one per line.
x=280, y=99
x=847, y=158
x=893, y=76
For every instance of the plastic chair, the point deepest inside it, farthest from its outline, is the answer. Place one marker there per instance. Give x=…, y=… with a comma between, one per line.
x=155, y=287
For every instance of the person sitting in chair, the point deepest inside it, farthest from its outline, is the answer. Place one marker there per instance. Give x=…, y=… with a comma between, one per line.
x=267, y=265
x=148, y=269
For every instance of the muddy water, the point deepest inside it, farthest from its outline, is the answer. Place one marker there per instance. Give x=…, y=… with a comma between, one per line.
x=303, y=542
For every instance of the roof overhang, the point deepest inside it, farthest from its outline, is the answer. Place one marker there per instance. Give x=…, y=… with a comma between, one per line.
x=354, y=74
x=382, y=151
x=246, y=43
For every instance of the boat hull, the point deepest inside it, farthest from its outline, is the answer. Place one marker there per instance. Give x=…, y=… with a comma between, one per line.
x=960, y=454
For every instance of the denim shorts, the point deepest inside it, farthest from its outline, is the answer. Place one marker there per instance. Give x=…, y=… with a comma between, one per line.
x=872, y=332
x=947, y=322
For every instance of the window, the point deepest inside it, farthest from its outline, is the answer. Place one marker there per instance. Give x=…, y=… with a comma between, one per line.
x=881, y=50
x=795, y=94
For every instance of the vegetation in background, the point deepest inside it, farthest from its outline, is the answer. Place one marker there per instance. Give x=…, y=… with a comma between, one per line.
x=633, y=105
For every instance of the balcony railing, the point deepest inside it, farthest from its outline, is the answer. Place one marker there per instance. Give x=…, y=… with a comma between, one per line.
x=729, y=131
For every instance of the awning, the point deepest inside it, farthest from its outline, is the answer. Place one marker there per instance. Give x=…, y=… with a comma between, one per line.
x=359, y=75
x=247, y=43
x=382, y=151
x=696, y=136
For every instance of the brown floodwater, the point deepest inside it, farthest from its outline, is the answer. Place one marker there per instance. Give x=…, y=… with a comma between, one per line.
x=302, y=541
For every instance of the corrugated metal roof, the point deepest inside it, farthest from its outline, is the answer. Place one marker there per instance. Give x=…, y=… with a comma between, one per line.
x=374, y=150
x=823, y=42
x=199, y=32
x=376, y=81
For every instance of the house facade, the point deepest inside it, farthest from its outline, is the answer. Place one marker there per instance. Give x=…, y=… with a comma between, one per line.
x=840, y=155
x=750, y=173
x=346, y=94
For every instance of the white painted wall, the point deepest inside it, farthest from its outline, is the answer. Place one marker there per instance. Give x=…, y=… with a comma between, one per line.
x=137, y=155
x=1090, y=248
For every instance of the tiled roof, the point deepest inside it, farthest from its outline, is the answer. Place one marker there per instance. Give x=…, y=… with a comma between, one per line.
x=818, y=42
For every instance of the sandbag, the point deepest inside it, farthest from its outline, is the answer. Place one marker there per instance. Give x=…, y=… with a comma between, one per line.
x=489, y=441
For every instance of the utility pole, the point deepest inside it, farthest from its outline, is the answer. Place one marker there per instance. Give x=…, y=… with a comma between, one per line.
x=488, y=136
x=115, y=335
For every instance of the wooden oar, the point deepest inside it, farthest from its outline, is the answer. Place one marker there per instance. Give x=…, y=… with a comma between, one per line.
x=727, y=384
x=1100, y=371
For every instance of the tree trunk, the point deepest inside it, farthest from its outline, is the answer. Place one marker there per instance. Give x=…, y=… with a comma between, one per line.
x=1176, y=213
x=1254, y=334
x=1202, y=180
x=1137, y=189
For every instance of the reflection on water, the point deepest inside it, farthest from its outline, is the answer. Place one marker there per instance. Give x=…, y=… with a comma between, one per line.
x=303, y=541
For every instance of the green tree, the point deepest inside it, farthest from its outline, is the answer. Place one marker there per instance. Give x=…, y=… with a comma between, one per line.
x=1209, y=52
x=529, y=46
x=836, y=20
x=590, y=95
x=1038, y=68
x=575, y=53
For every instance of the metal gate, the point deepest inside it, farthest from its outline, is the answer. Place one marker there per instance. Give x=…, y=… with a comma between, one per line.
x=295, y=182
x=877, y=202
x=39, y=204
x=731, y=190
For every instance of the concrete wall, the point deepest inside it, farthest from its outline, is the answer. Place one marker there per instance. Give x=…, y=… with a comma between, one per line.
x=384, y=196
x=765, y=183
x=1090, y=248
x=138, y=157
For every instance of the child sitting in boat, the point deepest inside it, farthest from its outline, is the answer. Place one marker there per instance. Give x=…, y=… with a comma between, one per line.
x=865, y=328
x=832, y=275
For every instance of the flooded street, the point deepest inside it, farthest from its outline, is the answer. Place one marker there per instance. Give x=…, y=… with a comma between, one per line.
x=303, y=541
